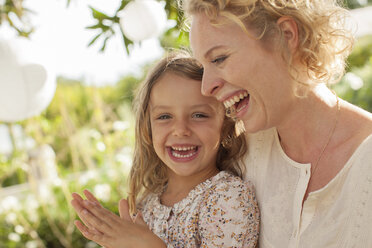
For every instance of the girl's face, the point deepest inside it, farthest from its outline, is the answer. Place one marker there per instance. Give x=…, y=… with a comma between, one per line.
x=240, y=72
x=185, y=125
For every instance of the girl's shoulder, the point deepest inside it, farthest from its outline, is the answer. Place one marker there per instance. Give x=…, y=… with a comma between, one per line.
x=227, y=186
x=229, y=214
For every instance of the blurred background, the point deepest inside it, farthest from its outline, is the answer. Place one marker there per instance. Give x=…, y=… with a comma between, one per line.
x=68, y=69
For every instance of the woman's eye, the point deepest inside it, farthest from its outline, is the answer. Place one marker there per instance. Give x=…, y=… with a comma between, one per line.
x=199, y=115
x=219, y=60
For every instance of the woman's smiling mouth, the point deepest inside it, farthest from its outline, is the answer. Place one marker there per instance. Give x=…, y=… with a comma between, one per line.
x=236, y=103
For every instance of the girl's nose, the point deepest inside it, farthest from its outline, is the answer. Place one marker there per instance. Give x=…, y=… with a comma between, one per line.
x=181, y=129
x=210, y=84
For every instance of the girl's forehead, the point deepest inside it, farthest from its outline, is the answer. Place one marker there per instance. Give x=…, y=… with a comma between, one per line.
x=175, y=90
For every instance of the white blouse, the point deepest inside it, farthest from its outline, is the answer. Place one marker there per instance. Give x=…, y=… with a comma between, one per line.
x=339, y=215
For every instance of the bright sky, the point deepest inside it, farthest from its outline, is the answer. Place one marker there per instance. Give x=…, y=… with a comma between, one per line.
x=62, y=38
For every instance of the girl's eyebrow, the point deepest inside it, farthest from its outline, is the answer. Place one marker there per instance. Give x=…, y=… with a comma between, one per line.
x=159, y=107
x=165, y=107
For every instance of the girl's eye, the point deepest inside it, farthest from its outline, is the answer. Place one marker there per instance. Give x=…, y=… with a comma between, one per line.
x=199, y=115
x=163, y=117
x=219, y=60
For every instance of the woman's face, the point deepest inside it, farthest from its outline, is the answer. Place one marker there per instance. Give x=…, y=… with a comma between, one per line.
x=240, y=72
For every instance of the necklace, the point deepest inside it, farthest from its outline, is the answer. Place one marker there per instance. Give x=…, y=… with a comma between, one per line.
x=313, y=169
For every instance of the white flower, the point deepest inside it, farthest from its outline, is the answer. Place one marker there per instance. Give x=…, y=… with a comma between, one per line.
x=10, y=203
x=101, y=146
x=44, y=191
x=57, y=182
x=86, y=177
x=14, y=237
x=33, y=216
x=93, y=133
x=102, y=192
x=11, y=218
x=31, y=202
x=124, y=159
x=19, y=229
x=120, y=126
x=90, y=244
x=31, y=244
x=354, y=81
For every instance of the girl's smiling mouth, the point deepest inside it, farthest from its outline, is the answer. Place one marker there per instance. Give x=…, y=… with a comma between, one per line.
x=183, y=153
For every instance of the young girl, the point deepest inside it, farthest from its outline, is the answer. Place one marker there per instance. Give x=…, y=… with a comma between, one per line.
x=185, y=179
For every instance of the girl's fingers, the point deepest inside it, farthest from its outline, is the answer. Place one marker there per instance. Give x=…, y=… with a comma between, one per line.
x=77, y=197
x=90, y=196
x=83, y=227
x=102, y=213
x=76, y=205
x=124, y=210
x=89, y=219
x=92, y=221
x=94, y=236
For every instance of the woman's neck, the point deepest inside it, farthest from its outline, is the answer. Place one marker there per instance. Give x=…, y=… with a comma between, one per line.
x=306, y=129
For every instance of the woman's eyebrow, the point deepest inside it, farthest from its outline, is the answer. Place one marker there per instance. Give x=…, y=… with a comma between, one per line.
x=209, y=52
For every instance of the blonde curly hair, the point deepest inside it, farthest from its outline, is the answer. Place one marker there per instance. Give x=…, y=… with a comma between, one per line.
x=148, y=173
x=324, y=42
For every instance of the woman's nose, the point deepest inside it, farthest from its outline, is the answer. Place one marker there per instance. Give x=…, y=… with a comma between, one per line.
x=210, y=84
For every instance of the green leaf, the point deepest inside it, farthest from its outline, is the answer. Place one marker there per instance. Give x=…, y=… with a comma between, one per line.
x=94, y=39
x=94, y=26
x=98, y=14
x=104, y=44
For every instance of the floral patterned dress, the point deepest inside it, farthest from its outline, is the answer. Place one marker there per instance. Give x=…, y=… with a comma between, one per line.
x=219, y=212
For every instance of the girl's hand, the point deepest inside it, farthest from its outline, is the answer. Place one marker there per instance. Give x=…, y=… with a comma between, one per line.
x=108, y=229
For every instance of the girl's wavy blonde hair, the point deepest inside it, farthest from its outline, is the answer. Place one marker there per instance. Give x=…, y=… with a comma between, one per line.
x=148, y=173
x=324, y=42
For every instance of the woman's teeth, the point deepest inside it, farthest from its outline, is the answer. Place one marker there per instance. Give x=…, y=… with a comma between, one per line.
x=230, y=102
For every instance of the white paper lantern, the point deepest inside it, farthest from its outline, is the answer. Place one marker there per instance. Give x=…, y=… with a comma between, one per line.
x=143, y=19
x=26, y=88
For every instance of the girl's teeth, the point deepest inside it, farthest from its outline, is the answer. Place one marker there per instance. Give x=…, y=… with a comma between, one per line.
x=183, y=148
x=236, y=99
x=183, y=156
x=241, y=96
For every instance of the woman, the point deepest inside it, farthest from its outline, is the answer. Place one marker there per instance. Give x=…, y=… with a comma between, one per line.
x=310, y=153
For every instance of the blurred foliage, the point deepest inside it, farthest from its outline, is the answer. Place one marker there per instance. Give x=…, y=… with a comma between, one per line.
x=359, y=71
x=353, y=4
x=13, y=12
x=91, y=132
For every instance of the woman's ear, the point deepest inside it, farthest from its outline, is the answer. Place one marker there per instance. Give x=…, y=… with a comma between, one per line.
x=289, y=28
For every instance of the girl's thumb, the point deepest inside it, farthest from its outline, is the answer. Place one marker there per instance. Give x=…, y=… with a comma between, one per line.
x=124, y=210
x=138, y=219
